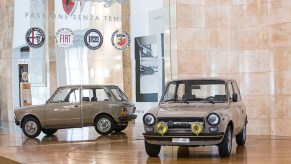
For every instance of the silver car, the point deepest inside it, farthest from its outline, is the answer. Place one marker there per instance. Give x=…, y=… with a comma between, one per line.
x=104, y=106
x=197, y=112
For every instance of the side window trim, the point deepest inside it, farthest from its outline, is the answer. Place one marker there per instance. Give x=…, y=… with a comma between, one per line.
x=229, y=87
x=237, y=91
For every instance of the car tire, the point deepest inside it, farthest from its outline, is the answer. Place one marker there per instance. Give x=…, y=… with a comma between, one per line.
x=152, y=150
x=104, y=124
x=119, y=128
x=31, y=127
x=242, y=136
x=226, y=145
x=49, y=131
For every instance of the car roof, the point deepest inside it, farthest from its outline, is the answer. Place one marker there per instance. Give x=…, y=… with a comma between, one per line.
x=87, y=86
x=208, y=78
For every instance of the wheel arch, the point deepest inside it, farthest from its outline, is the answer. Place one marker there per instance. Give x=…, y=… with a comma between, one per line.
x=100, y=114
x=230, y=123
x=27, y=116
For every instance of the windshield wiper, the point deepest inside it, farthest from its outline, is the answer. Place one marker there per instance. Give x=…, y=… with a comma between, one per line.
x=168, y=100
x=211, y=101
x=185, y=101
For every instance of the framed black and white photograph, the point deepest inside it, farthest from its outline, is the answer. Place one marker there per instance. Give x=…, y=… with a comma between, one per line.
x=148, y=56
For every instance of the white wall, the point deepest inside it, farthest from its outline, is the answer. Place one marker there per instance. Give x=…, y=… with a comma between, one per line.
x=143, y=22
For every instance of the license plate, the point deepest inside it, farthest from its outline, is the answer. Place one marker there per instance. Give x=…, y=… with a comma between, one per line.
x=180, y=140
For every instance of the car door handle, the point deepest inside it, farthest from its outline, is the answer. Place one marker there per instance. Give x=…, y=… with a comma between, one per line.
x=76, y=105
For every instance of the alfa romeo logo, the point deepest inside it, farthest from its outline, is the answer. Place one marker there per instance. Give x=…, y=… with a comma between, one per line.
x=35, y=37
x=65, y=38
x=93, y=39
x=120, y=41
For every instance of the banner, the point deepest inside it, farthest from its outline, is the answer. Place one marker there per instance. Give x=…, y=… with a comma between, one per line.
x=25, y=94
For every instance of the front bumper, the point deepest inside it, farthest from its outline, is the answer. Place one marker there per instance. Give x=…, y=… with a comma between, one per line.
x=127, y=117
x=194, y=140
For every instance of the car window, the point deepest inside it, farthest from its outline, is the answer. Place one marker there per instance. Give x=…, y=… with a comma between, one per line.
x=87, y=94
x=170, y=93
x=236, y=90
x=101, y=94
x=191, y=91
x=206, y=90
x=66, y=95
x=119, y=94
x=180, y=91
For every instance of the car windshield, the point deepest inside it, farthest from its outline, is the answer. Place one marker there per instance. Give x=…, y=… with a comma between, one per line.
x=193, y=91
x=119, y=94
x=66, y=95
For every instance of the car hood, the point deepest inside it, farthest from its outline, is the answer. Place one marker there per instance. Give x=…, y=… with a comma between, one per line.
x=188, y=110
x=27, y=108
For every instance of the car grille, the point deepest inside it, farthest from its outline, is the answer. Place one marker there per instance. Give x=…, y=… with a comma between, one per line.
x=184, y=122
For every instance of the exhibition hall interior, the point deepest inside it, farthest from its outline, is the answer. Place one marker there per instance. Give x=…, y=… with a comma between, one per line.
x=145, y=81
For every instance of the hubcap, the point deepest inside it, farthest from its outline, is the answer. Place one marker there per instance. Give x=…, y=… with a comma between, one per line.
x=30, y=127
x=104, y=124
x=229, y=140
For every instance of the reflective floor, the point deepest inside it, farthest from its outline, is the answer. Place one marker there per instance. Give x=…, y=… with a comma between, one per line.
x=84, y=145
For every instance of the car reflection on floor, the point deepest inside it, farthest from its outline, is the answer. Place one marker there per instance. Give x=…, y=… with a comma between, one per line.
x=54, y=139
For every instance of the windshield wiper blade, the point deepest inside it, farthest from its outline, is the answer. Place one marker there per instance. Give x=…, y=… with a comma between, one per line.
x=185, y=101
x=211, y=101
x=168, y=100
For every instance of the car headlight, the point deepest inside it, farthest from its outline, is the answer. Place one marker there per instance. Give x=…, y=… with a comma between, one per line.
x=213, y=119
x=149, y=119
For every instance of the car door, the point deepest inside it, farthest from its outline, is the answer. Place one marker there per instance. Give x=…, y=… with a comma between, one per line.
x=95, y=100
x=63, y=109
x=234, y=109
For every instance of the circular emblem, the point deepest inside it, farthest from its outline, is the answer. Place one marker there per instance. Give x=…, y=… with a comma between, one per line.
x=120, y=41
x=65, y=38
x=24, y=76
x=35, y=37
x=93, y=39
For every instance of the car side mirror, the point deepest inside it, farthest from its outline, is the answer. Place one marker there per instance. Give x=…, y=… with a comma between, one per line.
x=234, y=97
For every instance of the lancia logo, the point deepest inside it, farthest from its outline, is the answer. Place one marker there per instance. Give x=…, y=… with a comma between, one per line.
x=93, y=39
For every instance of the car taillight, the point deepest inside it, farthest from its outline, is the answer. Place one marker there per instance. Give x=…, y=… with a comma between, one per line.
x=123, y=111
x=134, y=109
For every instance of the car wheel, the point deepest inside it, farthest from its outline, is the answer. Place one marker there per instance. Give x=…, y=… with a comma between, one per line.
x=226, y=145
x=120, y=128
x=104, y=125
x=31, y=127
x=152, y=150
x=49, y=131
x=242, y=136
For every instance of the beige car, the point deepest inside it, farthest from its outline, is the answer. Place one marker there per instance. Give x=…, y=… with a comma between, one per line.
x=104, y=106
x=197, y=112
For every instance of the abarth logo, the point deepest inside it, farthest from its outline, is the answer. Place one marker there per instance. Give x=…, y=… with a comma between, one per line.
x=120, y=41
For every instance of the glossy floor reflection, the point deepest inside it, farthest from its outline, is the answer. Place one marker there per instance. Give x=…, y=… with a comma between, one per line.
x=84, y=145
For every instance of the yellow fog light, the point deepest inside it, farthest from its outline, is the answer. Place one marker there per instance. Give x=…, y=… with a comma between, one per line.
x=196, y=128
x=162, y=128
